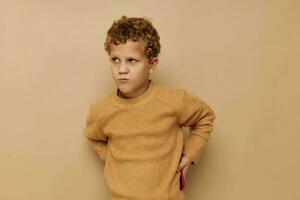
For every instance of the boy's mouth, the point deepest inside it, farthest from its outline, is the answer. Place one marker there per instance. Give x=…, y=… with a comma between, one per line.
x=123, y=80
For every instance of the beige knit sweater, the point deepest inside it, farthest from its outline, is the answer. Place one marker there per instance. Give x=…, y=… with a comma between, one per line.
x=141, y=140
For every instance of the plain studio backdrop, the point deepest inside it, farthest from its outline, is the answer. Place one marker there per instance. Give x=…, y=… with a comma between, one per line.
x=242, y=57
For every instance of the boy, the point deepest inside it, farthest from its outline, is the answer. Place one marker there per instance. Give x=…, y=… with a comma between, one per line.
x=137, y=130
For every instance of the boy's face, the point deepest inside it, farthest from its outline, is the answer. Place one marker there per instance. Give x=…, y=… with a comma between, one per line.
x=128, y=61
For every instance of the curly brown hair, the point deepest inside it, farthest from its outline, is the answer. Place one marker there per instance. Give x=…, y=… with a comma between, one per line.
x=134, y=28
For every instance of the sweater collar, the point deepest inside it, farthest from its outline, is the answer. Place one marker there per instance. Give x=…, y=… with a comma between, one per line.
x=138, y=99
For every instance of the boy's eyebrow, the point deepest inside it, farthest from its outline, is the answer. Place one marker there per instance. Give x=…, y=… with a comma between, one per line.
x=111, y=55
x=128, y=57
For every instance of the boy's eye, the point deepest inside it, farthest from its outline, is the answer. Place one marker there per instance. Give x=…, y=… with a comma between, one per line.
x=115, y=60
x=132, y=60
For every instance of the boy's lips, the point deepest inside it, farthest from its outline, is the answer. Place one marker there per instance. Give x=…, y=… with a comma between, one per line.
x=123, y=80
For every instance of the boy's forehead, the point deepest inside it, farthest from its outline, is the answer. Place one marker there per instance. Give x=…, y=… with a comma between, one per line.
x=129, y=47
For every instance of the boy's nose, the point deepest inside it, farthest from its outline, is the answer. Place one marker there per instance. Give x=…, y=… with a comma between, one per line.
x=123, y=68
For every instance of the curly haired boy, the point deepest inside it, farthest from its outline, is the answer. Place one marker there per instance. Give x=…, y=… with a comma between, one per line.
x=137, y=129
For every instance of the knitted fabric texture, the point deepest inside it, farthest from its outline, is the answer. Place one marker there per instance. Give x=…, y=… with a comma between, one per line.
x=141, y=140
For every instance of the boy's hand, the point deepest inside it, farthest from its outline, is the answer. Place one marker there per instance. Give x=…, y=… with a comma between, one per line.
x=184, y=163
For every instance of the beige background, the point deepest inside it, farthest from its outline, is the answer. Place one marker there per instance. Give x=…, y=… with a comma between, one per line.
x=242, y=57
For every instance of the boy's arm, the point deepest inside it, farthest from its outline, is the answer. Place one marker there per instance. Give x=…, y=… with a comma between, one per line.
x=100, y=147
x=94, y=134
x=199, y=116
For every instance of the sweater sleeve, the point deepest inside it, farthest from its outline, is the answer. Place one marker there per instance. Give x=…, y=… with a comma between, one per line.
x=92, y=131
x=199, y=116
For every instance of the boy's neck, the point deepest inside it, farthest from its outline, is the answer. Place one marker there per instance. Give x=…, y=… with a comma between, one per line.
x=120, y=94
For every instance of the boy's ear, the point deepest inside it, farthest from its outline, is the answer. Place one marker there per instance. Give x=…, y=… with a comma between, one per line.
x=153, y=64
